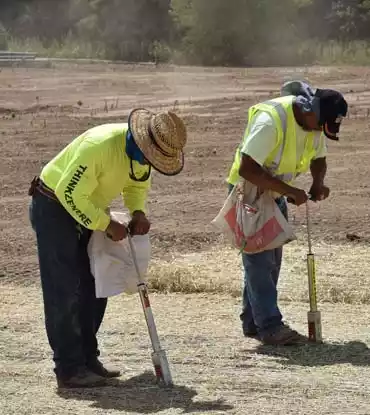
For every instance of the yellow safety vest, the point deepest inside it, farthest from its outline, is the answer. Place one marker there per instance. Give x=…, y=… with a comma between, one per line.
x=282, y=162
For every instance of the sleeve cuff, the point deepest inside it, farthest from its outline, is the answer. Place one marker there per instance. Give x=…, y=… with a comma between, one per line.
x=257, y=159
x=103, y=223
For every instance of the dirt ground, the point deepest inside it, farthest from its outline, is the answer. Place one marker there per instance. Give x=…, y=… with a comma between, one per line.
x=217, y=371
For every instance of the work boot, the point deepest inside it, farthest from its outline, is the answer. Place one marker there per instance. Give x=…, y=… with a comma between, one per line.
x=251, y=335
x=97, y=367
x=251, y=332
x=284, y=336
x=82, y=379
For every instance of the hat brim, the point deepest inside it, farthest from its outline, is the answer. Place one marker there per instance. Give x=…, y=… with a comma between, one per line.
x=139, y=124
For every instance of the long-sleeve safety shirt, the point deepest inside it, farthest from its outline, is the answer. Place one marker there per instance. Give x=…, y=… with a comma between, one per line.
x=90, y=172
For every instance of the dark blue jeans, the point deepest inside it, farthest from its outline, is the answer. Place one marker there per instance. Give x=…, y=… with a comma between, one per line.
x=73, y=314
x=260, y=313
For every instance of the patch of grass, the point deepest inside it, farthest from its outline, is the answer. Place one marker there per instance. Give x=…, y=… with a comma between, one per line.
x=315, y=52
x=69, y=47
x=334, y=52
x=193, y=279
x=301, y=52
x=341, y=274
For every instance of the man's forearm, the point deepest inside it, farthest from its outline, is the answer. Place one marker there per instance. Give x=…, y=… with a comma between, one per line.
x=254, y=173
x=135, y=198
x=318, y=171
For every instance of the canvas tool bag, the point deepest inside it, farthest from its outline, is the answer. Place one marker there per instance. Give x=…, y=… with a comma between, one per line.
x=252, y=220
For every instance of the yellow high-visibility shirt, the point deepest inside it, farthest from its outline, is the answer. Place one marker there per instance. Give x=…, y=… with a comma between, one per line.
x=92, y=171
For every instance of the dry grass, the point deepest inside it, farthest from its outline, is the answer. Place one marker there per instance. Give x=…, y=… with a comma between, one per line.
x=214, y=368
x=342, y=272
x=69, y=47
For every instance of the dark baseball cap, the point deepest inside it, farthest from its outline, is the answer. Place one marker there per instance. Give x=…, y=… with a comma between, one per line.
x=332, y=109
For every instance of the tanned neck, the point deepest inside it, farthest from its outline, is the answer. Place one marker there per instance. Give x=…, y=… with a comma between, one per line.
x=298, y=115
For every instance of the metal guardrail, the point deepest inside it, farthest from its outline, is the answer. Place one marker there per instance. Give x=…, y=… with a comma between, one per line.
x=10, y=58
x=7, y=56
x=31, y=59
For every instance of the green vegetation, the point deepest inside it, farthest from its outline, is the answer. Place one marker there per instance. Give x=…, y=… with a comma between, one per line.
x=200, y=32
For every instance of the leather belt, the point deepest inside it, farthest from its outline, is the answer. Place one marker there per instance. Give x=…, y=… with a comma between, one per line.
x=40, y=186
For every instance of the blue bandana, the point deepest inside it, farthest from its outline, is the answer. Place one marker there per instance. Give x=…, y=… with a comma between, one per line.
x=132, y=150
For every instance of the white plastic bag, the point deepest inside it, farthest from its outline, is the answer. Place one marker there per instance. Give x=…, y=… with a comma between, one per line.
x=111, y=262
x=253, y=222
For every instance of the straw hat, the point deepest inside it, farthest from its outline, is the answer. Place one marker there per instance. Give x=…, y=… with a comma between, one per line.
x=161, y=137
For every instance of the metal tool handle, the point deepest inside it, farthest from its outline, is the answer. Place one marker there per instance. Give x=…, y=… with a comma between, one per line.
x=308, y=225
x=308, y=221
x=144, y=298
x=134, y=258
x=159, y=358
x=311, y=268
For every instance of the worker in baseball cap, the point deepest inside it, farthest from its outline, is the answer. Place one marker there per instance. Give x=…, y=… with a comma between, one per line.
x=71, y=199
x=284, y=137
x=326, y=106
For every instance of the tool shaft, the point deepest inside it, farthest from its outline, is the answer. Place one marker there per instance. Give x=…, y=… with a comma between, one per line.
x=312, y=282
x=144, y=298
x=159, y=358
x=308, y=223
x=313, y=315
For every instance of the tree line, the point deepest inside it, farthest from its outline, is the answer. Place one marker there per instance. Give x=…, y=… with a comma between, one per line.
x=202, y=32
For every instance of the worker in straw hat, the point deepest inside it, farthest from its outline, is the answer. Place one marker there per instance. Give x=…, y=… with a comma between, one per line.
x=70, y=199
x=285, y=137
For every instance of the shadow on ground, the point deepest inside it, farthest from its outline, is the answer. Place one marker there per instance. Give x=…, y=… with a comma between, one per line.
x=355, y=353
x=141, y=394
